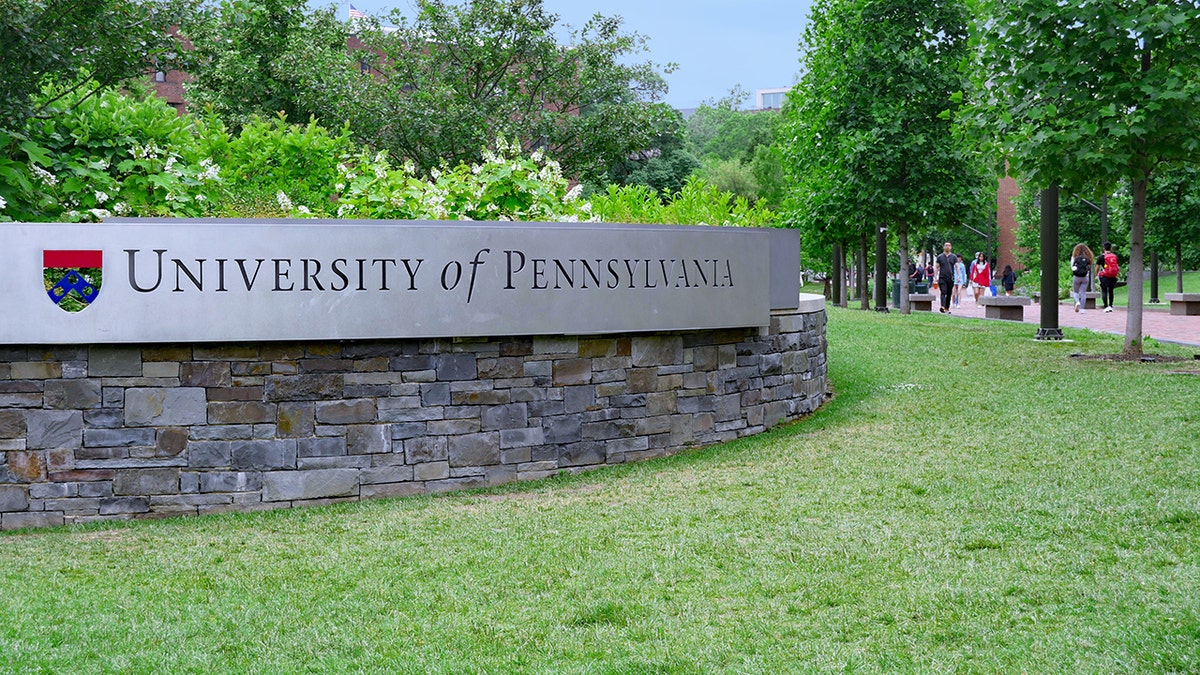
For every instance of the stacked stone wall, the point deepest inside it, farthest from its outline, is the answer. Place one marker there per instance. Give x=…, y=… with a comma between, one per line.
x=117, y=432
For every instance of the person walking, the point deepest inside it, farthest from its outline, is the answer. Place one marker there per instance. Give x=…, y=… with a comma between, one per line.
x=960, y=282
x=1107, y=272
x=1009, y=280
x=981, y=275
x=944, y=267
x=1082, y=261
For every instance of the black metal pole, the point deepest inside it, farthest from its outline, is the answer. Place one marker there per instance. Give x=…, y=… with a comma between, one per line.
x=1154, y=278
x=838, y=284
x=881, y=269
x=1049, y=329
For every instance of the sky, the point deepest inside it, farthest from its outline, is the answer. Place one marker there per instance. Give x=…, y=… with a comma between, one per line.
x=717, y=45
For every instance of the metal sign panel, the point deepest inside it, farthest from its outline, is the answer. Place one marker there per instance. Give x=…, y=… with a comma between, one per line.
x=229, y=280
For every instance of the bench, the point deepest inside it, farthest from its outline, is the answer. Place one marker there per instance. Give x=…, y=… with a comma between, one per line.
x=1184, y=304
x=921, y=302
x=1090, y=299
x=1007, y=307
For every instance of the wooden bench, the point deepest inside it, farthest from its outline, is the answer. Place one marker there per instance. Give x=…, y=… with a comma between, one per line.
x=1184, y=304
x=921, y=302
x=1007, y=307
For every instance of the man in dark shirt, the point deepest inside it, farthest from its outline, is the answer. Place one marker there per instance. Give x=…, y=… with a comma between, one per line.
x=945, y=275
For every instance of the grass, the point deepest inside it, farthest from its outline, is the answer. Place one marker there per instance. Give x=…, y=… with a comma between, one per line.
x=971, y=501
x=1166, y=284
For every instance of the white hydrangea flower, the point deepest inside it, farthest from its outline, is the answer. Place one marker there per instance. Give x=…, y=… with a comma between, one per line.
x=573, y=193
x=380, y=172
x=3, y=203
x=43, y=175
x=304, y=210
x=121, y=209
x=100, y=213
x=284, y=203
x=101, y=196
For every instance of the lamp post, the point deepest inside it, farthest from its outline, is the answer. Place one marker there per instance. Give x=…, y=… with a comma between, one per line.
x=881, y=269
x=1049, y=330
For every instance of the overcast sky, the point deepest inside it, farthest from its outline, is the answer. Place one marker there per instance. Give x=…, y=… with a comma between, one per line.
x=752, y=43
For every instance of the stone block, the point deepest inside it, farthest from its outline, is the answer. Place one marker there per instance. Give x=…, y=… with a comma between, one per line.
x=572, y=371
x=295, y=420
x=303, y=387
x=435, y=393
x=205, y=374
x=203, y=454
x=452, y=367
x=36, y=370
x=578, y=399
x=426, y=449
x=121, y=505
x=563, y=429
x=390, y=411
x=356, y=411
x=13, y=498
x=456, y=427
x=556, y=345
x=386, y=474
x=54, y=429
x=16, y=521
x=230, y=481
x=368, y=439
x=12, y=424
x=657, y=350
x=170, y=442
x=431, y=471
x=160, y=369
x=660, y=403
x=333, y=446
x=511, y=416
x=241, y=412
x=118, y=438
x=586, y=453
x=474, y=450
x=518, y=438
x=385, y=490
x=146, y=482
x=160, y=406
x=311, y=484
x=72, y=394
x=105, y=361
x=263, y=454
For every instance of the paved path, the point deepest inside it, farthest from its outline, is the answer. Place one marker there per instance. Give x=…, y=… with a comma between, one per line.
x=1157, y=323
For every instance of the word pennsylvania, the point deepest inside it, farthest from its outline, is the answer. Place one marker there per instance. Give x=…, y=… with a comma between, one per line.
x=156, y=270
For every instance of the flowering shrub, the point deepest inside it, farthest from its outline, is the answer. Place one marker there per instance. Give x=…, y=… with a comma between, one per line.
x=505, y=186
x=110, y=154
x=121, y=155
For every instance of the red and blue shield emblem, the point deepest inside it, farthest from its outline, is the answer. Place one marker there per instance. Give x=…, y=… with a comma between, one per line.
x=72, y=278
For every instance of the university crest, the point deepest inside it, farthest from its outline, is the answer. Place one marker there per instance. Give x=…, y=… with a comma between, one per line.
x=72, y=278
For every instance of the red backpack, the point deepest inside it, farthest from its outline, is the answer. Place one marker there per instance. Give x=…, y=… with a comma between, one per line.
x=1110, y=265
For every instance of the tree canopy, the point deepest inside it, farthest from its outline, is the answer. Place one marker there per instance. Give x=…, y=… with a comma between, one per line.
x=74, y=45
x=868, y=137
x=1089, y=93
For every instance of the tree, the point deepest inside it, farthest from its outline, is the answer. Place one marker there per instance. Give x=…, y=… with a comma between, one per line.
x=79, y=45
x=265, y=57
x=870, y=136
x=664, y=166
x=722, y=129
x=450, y=80
x=1173, y=216
x=1089, y=93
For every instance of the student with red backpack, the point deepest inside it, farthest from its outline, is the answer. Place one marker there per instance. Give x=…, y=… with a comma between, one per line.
x=1108, y=271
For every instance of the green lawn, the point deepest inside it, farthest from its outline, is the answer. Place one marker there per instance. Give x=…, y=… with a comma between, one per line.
x=1166, y=284
x=972, y=501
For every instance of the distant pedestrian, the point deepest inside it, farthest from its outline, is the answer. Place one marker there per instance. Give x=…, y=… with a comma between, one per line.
x=980, y=275
x=1082, y=261
x=1108, y=270
x=1009, y=279
x=960, y=281
x=945, y=275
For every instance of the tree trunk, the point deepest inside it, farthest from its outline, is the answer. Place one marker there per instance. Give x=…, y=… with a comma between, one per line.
x=838, y=287
x=845, y=255
x=864, y=295
x=881, y=268
x=903, y=274
x=1135, y=275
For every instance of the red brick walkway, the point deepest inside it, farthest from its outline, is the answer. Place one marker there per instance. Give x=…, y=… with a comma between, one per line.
x=1158, y=323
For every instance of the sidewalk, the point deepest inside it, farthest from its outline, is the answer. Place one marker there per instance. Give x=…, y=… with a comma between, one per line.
x=1157, y=323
